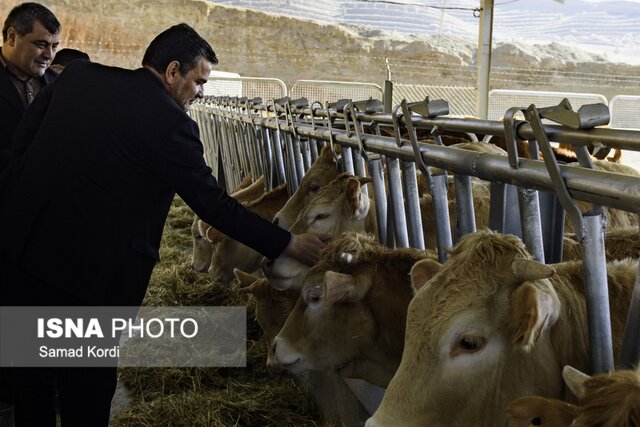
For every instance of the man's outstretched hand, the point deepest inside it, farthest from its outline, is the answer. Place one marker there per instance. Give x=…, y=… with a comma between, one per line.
x=306, y=247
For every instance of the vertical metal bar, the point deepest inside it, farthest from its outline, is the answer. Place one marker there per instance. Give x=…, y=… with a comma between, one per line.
x=278, y=155
x=438, y=190
x=305, y=146
x=270, y=174
x=380, y=197
x=397, y=203
x=484, y=57
x=530, y=220
x=552, y=221
x=465, y=215
x=630, y=353
x=412, y=199
x=347, y=160
x=291, y=163
x=597, y=295
x=359, y=168
x=313, y=146
x=296, y=145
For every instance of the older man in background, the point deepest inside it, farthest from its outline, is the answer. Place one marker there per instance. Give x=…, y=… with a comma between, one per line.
x=31, y=35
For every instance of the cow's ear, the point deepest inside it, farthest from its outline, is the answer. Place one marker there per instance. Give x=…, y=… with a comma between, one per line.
x=533, y=311
x=422, y=271
x=575, y=380
x=341, y=287
x=531, y=411
x=243, y=277
x=326, y=155
x=250, y=284
x=357, y=200
x=214, y=235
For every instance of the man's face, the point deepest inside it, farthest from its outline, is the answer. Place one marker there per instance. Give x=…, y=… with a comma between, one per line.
x=185, y=89
x=32, y=53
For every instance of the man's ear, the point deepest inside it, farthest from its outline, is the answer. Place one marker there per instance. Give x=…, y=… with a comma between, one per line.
x=12, y=35
x=171, y=73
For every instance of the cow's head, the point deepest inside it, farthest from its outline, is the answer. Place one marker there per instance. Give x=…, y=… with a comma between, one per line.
x=323, y=171
x=272, y=308
x=338, y=207
x=230, y=254
x=478, y=336
x=611, y=399
x=202, y=246
x=350, y=316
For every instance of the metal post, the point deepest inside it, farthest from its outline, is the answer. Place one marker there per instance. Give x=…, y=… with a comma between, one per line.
x=438, y=190
x=484, y=57
x=380, y=197
x=397, y=203
x=597, y=294
x=630, y=353
x=465, y=215
x=414, y=219
x=530, y=221
x=279, y=157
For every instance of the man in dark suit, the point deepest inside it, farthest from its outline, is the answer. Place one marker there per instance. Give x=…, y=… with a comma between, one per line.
x=30, y=38
x=101, y=153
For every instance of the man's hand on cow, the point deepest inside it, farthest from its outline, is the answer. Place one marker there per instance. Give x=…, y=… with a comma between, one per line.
x=306, y=247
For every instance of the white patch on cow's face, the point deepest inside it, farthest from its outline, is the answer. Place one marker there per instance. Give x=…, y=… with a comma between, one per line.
x=469, y=347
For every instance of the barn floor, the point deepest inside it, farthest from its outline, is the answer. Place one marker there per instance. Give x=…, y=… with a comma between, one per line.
x=199, y=397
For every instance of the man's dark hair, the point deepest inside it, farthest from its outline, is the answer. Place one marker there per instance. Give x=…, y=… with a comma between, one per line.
x=24, y=15
x=179, y=43
x=66, y=56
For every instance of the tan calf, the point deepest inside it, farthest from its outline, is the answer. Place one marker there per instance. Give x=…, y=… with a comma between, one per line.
x=350, y=318
x=491, y=325
x=323, y=171
x=202, y=233
x=607, y=400
x=229, y=254
x=338, y=207
x=272, y=308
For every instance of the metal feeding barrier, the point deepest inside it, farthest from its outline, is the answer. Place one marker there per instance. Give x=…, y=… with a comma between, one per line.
x=280, y=139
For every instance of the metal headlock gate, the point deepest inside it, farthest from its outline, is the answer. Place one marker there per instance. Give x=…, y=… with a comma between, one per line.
x=281, y=139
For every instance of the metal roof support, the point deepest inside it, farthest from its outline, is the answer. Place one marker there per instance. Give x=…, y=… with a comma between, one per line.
x=484, y=57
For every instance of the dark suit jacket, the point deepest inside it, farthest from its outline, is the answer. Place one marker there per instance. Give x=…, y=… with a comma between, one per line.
x=105, y=150
x=11, y=111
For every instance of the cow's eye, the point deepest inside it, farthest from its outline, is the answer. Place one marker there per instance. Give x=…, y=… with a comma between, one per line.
x=468, y=344
x=321, y=216
x=314, y=187
x=313, y=295
x=198, y=237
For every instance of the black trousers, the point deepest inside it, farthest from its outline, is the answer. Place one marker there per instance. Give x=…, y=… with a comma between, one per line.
x=83, y=395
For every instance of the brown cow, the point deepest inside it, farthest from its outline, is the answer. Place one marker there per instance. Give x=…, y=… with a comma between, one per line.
x=272, y=308
x=491, y=325
x=606, y=400
x=323, y=171
x=229, y=254
x=338, y=207
x=202, y=244
x=351, y=315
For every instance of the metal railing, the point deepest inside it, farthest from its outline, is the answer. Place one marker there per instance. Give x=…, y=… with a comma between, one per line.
x=275, y=139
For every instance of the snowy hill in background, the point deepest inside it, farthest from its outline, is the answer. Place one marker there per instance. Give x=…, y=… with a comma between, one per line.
x=609, y=29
